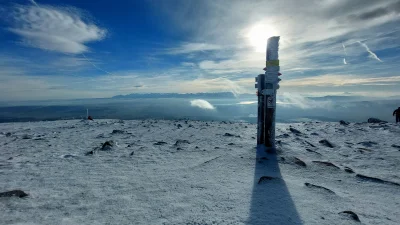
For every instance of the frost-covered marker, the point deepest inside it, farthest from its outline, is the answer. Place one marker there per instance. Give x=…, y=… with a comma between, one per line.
x=267, y=84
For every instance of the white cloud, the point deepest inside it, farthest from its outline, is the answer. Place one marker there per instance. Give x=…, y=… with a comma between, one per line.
x=372, y=54
x=54, y=29
x=194, y=47
x=340, y=80
x=203, y=104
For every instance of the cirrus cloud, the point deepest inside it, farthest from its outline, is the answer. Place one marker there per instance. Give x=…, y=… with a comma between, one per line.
x=51, y=28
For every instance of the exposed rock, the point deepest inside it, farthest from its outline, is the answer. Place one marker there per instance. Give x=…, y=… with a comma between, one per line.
x=16, y=193
x=283, y=136
x=396, y=146
x=118, y=132
x=160, y=143
x=228, y=135
x=265, y=178
x=376, y=180
x=319, y=187
x=108, y=145
x=367, y=143
x=352, y=215
x=342, y=122
x=25, y=136
x=8, y=134
x=132, y=153
x=375, y=120
x=326, y=143
x=348, y=169
x=90, y=152
x=178, y=142
x=326, y=164
x=294, y=131
x=309, y=150
x=231, y=144
x=299, y=162
x=310, y=144
x=68, y=156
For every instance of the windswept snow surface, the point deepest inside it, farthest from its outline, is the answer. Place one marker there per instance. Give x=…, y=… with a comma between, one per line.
x=192, y=172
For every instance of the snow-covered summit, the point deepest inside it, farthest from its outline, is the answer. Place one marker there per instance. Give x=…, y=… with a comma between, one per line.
x=193, y=172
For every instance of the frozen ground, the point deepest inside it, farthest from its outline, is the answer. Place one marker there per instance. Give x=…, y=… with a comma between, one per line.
x=177, y=172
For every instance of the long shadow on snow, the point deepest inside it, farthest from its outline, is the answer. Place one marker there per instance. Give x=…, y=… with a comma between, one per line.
x=271, y=202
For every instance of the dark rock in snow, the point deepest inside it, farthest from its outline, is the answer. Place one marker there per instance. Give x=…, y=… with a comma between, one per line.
x=352, y=215
x=89, y=153
x=315, y=134
x=265, y=178
x=69, y=156
x=132, y=153
x=118, y=132
x=25, y=136
x=326, y=164
x=326, y=143
x=231, y=144
x=253, y=138
x=319, y=187
x=228, y=135
x=342, y=122
x=309, y=150
x=160, y=143
x=107, y=145
x=8, y=134
x=376, y=180
x=310, y=144
x=299, y=162
x=294, y=131
x=216, y=148
x=375, y=120
x=367, y=143
x=348, y=169
x=178, y=142
x=16, y=193
x=396, y=146
x=179, y=126
x=283, y=136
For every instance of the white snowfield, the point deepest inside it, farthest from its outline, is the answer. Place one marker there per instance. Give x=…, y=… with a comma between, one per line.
x=196, y=173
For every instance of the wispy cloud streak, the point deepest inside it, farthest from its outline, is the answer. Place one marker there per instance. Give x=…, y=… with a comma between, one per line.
x=372, y=54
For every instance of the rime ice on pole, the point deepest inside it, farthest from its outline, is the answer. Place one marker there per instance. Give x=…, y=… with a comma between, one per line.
x=267, y=84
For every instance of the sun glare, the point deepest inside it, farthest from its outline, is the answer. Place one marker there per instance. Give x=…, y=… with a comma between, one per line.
x=258, y=35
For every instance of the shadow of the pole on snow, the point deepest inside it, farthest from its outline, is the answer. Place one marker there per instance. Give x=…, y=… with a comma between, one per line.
x=271, y=202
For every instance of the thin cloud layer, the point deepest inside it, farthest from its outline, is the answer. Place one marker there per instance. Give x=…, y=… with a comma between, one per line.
x=54, y=29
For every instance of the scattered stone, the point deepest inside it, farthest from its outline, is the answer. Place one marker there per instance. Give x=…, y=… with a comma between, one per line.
x=310, y=150
x=25, y=136
x=108, y=145
x=294, y=131
x=348, y=169
x=375, y=120
x=326, y=164
x=68, y=156
x=228, y=135
x=326, y=143
x=178, y=142
x=196, y=147
x=367, y=143
x=310, y=144
x=178, y=149
x=299, y=162
x=245, y=126
x=319, y=187
x=283, y=136
x=216, y=148
x=90, y=152
x=132, y=153
x=376, y=180
x=13, y=193
x=190, y=125
x=231, y=144
x=8, y=134
x=352, y=215
x=118, y=132
x=342, y=122
x=315, y=134
x=253, y=138
x=160, y=143
x=10, y=158
x=396, y=146
x=265, y=178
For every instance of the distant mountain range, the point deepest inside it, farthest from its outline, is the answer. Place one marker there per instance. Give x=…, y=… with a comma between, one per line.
x=177, y=95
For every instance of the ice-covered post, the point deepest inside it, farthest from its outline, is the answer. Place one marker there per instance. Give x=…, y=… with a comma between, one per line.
x=267, y=84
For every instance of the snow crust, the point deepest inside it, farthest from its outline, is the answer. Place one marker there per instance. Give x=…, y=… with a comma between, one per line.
x=193, y=172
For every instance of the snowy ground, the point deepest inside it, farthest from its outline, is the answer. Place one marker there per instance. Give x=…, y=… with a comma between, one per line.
x=160, y=173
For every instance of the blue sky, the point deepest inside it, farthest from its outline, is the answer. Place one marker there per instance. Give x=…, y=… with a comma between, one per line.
x=55, y=49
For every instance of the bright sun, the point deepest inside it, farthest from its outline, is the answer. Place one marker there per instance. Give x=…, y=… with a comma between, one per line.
x=258, y=35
